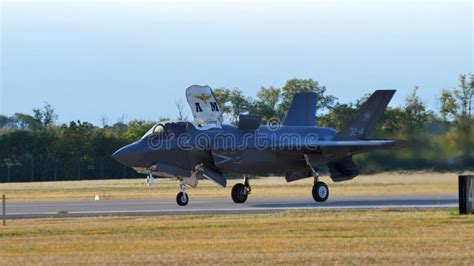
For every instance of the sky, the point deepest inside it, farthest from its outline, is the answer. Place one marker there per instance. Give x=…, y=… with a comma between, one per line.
x=134, y=59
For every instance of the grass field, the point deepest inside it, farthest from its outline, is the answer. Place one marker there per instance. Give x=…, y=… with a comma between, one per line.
x=387, y=183
x=299, y=237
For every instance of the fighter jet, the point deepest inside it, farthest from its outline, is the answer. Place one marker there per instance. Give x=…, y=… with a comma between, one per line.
x=296, y=148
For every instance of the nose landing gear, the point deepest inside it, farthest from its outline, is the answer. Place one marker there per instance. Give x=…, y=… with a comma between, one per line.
x=149, y=180
x=182, y=198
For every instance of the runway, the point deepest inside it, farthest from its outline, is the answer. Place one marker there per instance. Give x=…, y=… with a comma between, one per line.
x=17, y=210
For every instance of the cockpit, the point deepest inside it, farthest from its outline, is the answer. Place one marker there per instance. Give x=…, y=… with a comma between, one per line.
x=154, y=130
x=167, y=130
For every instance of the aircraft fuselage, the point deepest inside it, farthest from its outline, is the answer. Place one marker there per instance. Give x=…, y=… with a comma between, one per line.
x=227, y=149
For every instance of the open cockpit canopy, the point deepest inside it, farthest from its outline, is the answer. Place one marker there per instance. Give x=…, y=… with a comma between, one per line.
x=154, y=130
x=167, y=129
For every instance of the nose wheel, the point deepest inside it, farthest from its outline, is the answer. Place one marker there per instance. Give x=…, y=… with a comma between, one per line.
x=182, y=198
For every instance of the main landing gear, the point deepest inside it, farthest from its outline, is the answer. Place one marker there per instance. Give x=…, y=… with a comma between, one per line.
x=182, y=198
x=320, y=189
x=240, y=192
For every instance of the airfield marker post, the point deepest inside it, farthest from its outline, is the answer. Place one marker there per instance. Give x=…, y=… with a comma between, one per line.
x=4, y=214
x=466, y=194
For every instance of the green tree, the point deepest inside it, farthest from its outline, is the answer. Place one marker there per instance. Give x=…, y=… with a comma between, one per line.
x=8, y=122
x=266, y=105
x=448, y=106
x=119, y=128
x=136, y=129
x=456, y=108
x=323, y=102
x=182, y=116
x=417, y=116
x=45, y=116
x=26, y=121
x=10, y=162
x=232, y=102
x=75, y=142
x=104, y=144
x=240, y=104
x=392, y=122
x=222, y=96
x=338, y=116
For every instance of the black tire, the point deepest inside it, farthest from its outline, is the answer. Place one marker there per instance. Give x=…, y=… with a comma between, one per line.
x=239, y=193
x=320, y=192
x=182, y=198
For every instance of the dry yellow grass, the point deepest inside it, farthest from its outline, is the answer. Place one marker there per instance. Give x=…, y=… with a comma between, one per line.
x=387, y=183
x=302, y=237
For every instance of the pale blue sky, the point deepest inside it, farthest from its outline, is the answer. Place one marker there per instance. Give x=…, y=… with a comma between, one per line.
x=92, y=59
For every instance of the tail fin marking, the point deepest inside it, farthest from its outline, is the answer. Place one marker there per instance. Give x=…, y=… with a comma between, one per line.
x=364, y=121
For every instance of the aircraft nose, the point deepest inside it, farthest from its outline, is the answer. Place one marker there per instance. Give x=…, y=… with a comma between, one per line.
x=127, y=155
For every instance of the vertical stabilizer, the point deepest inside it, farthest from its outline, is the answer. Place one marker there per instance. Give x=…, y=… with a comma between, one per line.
x=364, y=121
x=302, y=110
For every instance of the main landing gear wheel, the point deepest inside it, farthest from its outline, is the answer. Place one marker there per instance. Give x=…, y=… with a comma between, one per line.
x=182, y=199
x=320, y=192
x=240, y=192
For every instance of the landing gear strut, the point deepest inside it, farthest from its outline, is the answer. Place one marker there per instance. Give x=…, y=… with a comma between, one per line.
x=240, y=192
x=320, y=189
x=149, y=180
x=182, y=198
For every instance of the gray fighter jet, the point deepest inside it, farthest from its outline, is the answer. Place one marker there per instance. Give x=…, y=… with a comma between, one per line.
x=296, y=148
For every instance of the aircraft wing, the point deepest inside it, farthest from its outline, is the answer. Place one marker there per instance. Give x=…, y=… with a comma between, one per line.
x=206, y=110
x=354, y=143
x=301, y=144
x=335, y=149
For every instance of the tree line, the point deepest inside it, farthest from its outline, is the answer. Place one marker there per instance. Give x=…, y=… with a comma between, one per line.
x=34, y=148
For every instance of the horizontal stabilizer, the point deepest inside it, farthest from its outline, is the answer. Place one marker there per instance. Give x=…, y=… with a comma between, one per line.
x=302, y=110
x=347, y=148
x=362, y=143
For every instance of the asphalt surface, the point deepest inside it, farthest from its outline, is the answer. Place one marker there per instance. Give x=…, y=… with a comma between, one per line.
x=17, y=210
